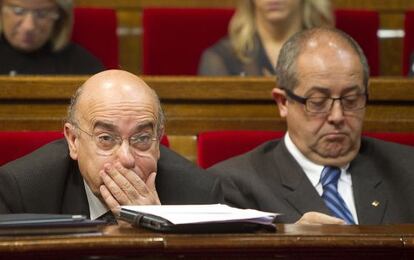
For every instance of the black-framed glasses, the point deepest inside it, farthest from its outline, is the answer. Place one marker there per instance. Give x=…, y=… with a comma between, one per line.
x=107, y=143
x=352, y=102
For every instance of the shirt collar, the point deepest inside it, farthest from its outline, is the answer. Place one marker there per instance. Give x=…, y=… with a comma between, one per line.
x=96, y=207
x=312, y=170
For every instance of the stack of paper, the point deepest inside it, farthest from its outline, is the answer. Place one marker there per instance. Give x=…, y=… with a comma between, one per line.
x=204, y=218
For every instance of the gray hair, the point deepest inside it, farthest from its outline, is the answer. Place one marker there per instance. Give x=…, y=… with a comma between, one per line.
x=71, y=111
x=286, y=72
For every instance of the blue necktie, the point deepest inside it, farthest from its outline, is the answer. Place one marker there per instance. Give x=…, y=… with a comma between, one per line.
x=331, y=196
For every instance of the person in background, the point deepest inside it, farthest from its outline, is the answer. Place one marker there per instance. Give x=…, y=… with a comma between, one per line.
x=256, y=33
x=35, y=39
x=323, y=171
x=111, y=156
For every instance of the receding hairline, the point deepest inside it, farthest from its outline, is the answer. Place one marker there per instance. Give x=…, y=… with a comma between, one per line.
x=297, y=45
x=95, y=81
x=116, y=79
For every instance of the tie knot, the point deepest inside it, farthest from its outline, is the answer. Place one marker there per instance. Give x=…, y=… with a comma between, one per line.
x=330, y=176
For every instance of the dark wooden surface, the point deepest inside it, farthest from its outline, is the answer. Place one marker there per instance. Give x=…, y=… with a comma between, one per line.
x=289, y=242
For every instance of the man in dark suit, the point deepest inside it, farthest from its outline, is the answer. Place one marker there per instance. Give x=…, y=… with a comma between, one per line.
x=111, y=156
x=322, y=171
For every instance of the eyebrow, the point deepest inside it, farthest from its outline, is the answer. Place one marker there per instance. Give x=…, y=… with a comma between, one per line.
x=105, y=125
x=326, y=90
x=111, y=127
x=145, y=124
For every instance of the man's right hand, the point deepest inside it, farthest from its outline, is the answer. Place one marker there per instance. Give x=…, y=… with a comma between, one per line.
x=319, y=218
x=123, y=186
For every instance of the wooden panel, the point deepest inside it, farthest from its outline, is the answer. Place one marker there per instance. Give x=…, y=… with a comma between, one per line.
x=195, y=104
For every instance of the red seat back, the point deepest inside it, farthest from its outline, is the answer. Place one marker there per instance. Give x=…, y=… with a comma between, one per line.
x=95, y=30
x=362, y=25
x=165, y=141
x=216, y=146
x=402, y=138
x=174, y=38
x=15, y=144
x=408, y=46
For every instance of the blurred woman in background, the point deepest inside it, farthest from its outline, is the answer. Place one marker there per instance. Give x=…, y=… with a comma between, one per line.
x=35, y=39
x=257, y=31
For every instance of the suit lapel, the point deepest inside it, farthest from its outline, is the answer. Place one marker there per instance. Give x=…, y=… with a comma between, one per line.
x=369, y=192
x=74, y=198
x=287, y=178
x=299, y=191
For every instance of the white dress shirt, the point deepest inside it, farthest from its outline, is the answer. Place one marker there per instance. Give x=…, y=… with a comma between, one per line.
x=96, y=207
x=313, y=172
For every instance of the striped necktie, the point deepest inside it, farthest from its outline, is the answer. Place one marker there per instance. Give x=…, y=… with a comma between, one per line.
x=331, y=196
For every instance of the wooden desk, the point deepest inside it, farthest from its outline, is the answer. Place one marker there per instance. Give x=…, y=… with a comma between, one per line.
x=290, y=242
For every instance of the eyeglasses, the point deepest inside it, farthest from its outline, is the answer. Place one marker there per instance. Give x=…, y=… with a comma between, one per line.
x=324, y=104
x=107, y=144
x=39, y=14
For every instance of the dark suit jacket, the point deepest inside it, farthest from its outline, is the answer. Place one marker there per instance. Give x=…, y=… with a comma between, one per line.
x=49, y=181
x=221, y=60
x=268, y=178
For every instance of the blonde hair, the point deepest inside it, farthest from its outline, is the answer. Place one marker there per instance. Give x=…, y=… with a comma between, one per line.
x=62, y=30
x=242, y=28
x=63, y=26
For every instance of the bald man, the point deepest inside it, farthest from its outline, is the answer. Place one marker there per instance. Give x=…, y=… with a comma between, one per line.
x=323, y=171
x=111, y=156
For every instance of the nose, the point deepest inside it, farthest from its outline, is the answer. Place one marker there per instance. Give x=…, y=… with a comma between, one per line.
x=28, y=22
x=125, y=156
x=336, y=115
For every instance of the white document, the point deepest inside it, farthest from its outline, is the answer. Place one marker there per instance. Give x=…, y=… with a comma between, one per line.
x=187, y=214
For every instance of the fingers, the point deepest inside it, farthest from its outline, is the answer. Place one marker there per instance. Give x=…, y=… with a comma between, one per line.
x=151, y=186
x=319, y=218
x=124, y=187
x=109, y=200
x=117, y=185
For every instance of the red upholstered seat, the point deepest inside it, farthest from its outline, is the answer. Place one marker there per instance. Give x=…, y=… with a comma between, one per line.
x=216, y=146
x=408, y=47
x=402, y=138
x=362, y=25
x=15, y=144
x=95, y=30
x=174, y=38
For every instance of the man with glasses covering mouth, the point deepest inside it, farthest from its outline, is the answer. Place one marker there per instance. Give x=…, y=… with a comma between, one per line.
x=323, y=171
x=111, y=156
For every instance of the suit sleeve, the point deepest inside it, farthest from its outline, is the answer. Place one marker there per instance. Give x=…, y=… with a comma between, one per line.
x=179, y=181
x=10, y=196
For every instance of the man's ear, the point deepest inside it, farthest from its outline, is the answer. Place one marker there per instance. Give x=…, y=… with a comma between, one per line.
x=71, y=138
x=279, y=96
